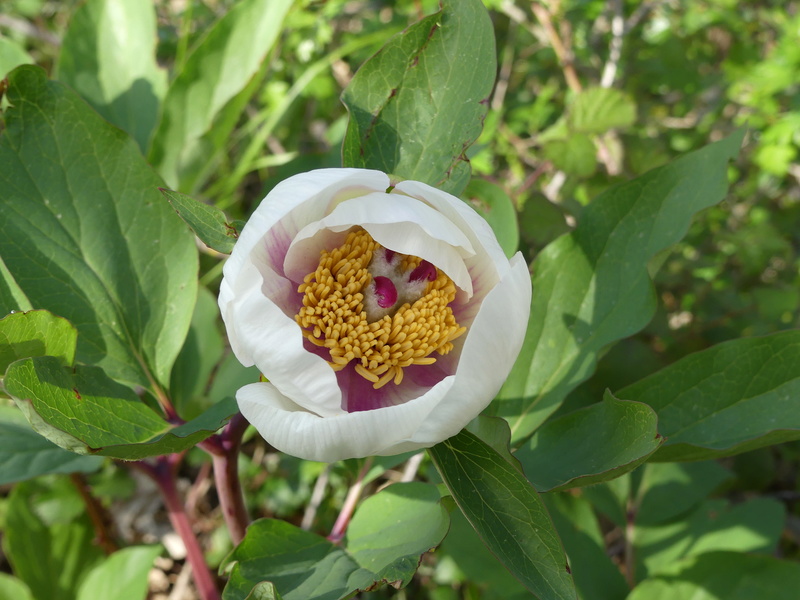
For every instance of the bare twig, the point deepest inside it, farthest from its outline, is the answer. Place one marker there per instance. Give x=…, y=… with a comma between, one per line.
x=317, y=494
x=615, y=47
x=29, y=29
x=97, y=513
x=563, y=52
x=412, y=466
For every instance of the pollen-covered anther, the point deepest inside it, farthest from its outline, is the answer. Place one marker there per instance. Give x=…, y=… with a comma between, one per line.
x=383, y=310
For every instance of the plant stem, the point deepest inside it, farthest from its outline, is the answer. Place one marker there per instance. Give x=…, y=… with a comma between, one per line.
x=349, y=506
x=97, y=513
x=224, y=451
x=164, y=475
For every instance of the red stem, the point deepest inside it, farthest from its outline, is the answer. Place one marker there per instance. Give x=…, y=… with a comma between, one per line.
x=224, y=451
x=163, y=473
x=349, y=506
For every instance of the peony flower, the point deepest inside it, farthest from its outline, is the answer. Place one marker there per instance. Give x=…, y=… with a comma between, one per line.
x=384, y=315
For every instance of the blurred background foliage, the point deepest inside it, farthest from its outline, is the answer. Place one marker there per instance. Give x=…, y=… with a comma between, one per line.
x=589, y=93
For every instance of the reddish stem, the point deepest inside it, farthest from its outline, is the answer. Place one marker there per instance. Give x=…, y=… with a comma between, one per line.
x=163, y=473
x=349, y=506
x=224, y=451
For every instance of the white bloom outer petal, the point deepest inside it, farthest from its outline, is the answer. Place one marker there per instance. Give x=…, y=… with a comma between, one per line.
x=286, y=209
x=289, y=207
x=400, y=223
x=484, y=273
x=492, y=345
x=459, y=212
x=295, y=431
x=274, y=342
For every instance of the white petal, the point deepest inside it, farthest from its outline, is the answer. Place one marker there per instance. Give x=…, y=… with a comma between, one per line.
x=397, y=222
x=291, y=205
x=261, y=334
x=492, y=345
x=485, y=273
x=295, y=431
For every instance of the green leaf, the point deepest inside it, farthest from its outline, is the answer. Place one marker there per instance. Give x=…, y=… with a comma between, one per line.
x=494, y=205
x=51, y=558
x=12, y=298
x=200, y=355
x=592, y=285
x=207, y=222
x=574, y=155
x=12, y=55
x=385, y=539
x=86, y=235
x=668, y=489
x=12, y=588
x=419, y=103
x=733, y=397
x=122, y=576
x=108, y=56
x=596, y=110
x=83, y=410
x=24, y=454
x=36, y=333
x=752, y=526
x=587, y=446
x=464, y=559
x=506, y=512
x=597, y=577
x=390, y=551
x=728, y=575
x=221, y=65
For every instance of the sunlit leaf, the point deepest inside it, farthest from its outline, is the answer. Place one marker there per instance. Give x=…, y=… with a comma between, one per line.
x=84, y=411
x=592, y=288
x=108, y=56
x=419, y=103
x=86, y=234
x=507, y=513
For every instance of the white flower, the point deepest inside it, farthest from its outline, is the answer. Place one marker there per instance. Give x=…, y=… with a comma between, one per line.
x=385, y=316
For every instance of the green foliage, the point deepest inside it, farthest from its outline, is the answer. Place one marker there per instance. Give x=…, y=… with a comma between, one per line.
x=594, y=160
x=397, y=124
x=384, y=542
x=506, y=512
x=92, y=243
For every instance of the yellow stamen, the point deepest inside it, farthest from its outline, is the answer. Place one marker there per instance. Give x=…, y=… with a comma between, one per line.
x=333, y=315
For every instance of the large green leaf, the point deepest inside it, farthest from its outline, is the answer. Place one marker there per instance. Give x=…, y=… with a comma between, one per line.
x=51, y=558
x=592, y=288
x=590, y=445
x=83, y=410
x=86, y=234
x=752, y=526
x=218, y=69
x=733, y=397
x=506, y=512
x=24, y=454
x=109, y=57
x=597, y=577
x=418, y=104
x=385, y=539
x=199, y=358
x=36, y=333
x=12, y=55
x=12, y=588
x=122, y=576
x=723, y=575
